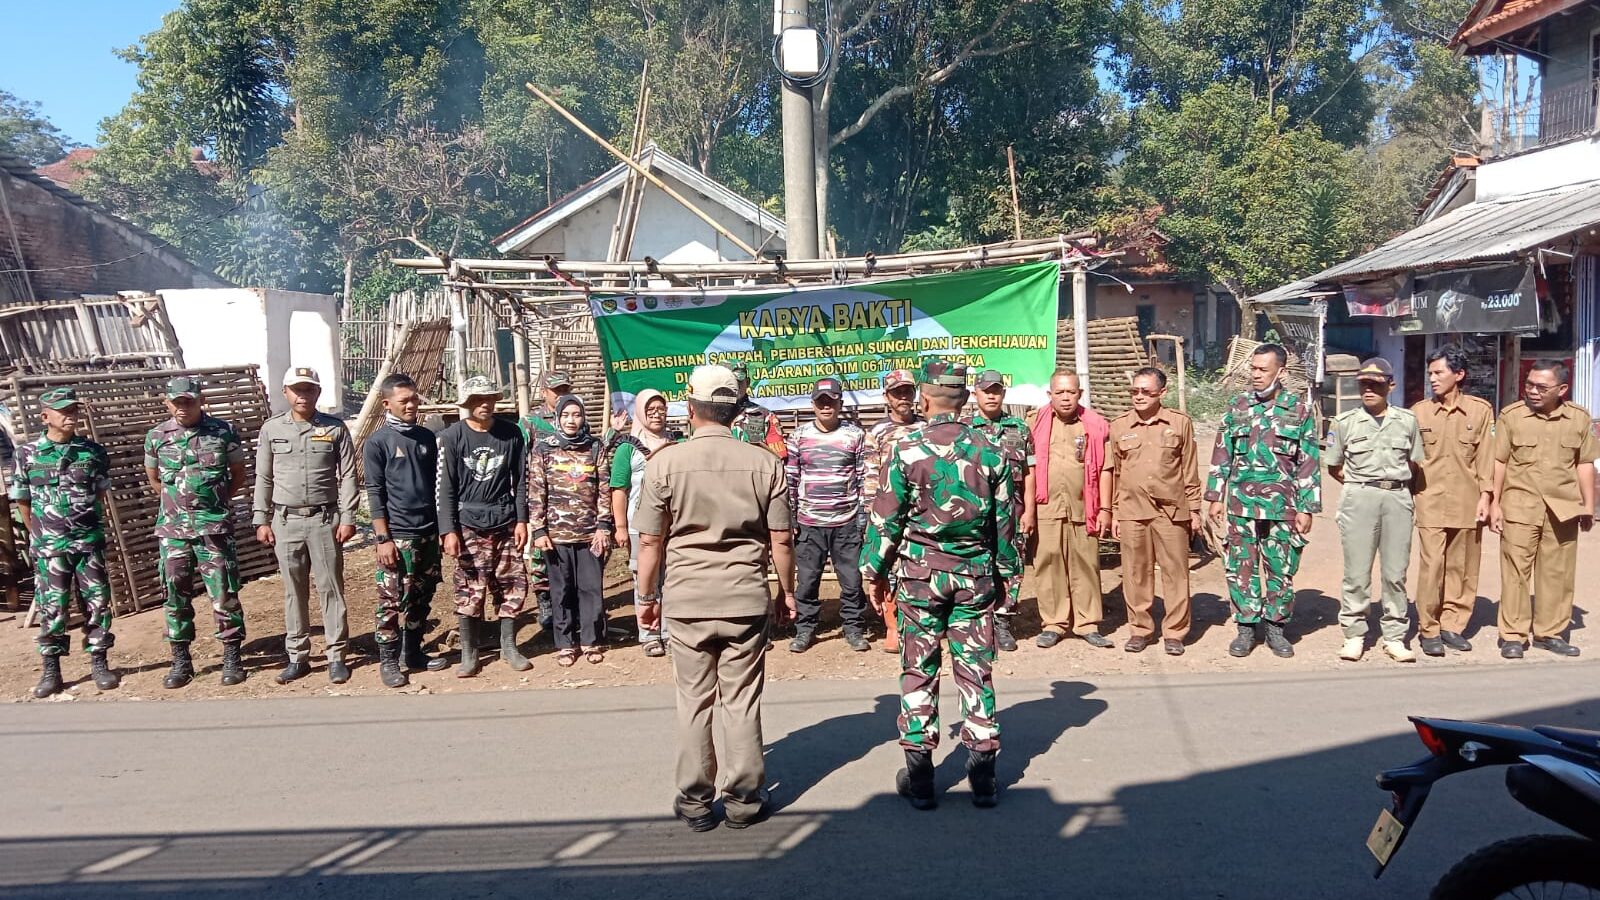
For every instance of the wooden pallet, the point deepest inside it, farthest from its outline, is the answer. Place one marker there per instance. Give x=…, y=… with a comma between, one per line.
x=120, y=410
x=1115, y=353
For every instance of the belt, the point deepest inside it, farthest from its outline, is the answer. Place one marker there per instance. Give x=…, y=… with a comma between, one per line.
x=303, y=511
x=1385, y=484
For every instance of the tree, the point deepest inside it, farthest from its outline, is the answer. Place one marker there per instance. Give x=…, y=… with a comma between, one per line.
x=26, y=133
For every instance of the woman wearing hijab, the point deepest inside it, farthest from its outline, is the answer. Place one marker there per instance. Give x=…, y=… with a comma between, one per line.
x=571, y=522
x=650, y=433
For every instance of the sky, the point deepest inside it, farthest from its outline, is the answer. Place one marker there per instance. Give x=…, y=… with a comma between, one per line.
x=59, y=53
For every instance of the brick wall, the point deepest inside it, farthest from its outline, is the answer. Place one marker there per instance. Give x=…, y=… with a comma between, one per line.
x=55, y=232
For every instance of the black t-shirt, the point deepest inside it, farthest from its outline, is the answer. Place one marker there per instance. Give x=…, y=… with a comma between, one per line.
x=481, y=483
x=401, y=466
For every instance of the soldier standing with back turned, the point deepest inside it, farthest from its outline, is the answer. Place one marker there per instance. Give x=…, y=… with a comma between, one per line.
x=1264, y=475
x=195, y=463
x=60, y=484
x=1011, y=435
x=305, y=508
x=942, y=522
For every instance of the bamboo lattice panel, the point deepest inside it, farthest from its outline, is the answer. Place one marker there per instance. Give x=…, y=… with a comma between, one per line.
x=1115, y=353
x=121, y=408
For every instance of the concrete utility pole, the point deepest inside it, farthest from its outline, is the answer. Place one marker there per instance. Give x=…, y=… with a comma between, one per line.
x=799, y=176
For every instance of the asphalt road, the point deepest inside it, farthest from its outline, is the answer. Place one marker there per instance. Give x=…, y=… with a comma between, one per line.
x=1205, y=786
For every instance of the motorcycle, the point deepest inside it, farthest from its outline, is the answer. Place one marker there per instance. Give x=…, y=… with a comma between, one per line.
x=1554, y=772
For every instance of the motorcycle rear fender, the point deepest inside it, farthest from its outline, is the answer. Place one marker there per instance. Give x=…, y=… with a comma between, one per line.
x=1562, y=791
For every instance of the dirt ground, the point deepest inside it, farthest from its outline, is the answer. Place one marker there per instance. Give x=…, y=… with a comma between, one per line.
x=141, y=652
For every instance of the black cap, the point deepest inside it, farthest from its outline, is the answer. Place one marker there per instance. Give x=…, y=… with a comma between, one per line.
x=827, y=387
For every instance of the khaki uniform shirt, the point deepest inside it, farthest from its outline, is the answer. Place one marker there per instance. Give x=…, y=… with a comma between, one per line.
x=1155, y=466
x=714, y=498
x=305, y=464
x=1542, y=454
x=1374, y=449
x=1459, y=461
x=1067, y=445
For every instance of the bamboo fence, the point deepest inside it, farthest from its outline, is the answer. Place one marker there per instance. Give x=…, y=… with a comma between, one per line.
x=1115, y=353
x=120, y=409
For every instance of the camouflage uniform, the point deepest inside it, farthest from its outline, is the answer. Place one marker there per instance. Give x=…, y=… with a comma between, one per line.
x=536, y=426
x=569, y=501
x=195, y=524
x=758, y=425
x=405, y=592
x=940, y=523
x=1011, y=435
x=1265, y=470
x=61, y=485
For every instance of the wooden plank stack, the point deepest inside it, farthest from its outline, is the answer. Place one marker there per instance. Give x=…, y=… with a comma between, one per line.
x=418, y=351
x=582, y=361
x=121, y=408
x=1115, y=353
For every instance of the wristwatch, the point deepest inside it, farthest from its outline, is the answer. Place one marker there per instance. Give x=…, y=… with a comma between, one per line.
x=647, y=599
x=383, y=539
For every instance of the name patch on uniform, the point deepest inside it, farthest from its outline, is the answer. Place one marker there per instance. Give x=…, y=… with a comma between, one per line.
x=280, y=445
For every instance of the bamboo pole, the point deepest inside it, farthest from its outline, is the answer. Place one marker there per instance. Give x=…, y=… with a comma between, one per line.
x=646, y=173
x=1016, y=202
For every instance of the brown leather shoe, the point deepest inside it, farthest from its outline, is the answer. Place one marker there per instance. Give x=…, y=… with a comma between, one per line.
x=1173, y=647
x=1136, y=644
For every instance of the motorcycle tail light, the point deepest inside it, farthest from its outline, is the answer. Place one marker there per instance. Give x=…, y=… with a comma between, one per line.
x=1431, y=739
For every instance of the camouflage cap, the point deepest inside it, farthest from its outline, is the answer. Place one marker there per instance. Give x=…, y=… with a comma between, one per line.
x=557, y=379
x=898, y=377
x=989, y=378
x=478, y=386
x=945, y=373
x=59, y=398
x=183, y=386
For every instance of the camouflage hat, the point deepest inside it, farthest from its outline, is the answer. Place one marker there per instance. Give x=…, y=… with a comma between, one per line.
x=59, y=398
x=897, y=378
x=945, y=373
x=301, y=375
x=478, y=386
x=557, y=379
x=989, y=378
x=183, y=386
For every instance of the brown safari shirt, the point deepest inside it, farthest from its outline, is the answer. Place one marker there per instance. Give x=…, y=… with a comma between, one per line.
x=1542, y=454
x=1458, y=443
x=1155, y=466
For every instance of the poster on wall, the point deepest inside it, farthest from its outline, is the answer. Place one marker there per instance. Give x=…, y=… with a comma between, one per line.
x=997, y=318
x=1476, y=301
x=1389, y=298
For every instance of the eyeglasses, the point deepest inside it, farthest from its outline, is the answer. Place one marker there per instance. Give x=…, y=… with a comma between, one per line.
x=1533, y=387
x=1144, y=392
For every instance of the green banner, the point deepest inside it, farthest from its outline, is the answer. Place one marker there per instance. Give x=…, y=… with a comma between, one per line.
x=997, y=318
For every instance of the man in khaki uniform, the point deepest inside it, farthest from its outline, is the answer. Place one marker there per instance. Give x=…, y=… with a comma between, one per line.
x=1453, y=498
x=1543, y=495
x=716, y=507
x=1155, y=490
x=1069, y=447
x=305, y=508
x=1373, y=451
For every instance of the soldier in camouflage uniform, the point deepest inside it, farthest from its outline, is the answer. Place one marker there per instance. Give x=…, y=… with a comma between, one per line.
x=755, y=423
x=900, y=395
x=941, y=522
x=194, y=462
x=1015, y=441
x=539, y=424
x=1265, y=477
x=59, y=484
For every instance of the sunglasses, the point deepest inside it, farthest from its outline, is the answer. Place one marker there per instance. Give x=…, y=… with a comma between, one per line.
x=1144, y=392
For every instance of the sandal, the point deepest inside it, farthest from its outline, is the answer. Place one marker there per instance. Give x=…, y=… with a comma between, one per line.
x=594, y=655
x=566, y=658
x=655, y=649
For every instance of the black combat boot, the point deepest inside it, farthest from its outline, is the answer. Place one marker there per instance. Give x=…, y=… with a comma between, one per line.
x=232, y=664
x=1245, y=642
x=508, y=646
x=1277, y=642
x=915, y=781
x=389, y=665
x=1003, y=639
x=468, y=632
x=413, y=656
x=547, y=616
x=49, y=677
x=182, y=667
x=104, y=678
x=980, y=774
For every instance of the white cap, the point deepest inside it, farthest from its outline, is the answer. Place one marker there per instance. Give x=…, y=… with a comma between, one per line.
x=301, y=376
x=713, y=384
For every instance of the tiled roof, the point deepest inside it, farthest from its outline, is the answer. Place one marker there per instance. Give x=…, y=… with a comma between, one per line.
x=70, y=169
x=1492, y=20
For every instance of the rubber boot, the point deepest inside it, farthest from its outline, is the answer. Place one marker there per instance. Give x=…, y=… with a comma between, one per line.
x=182, y=667
x=49, y=677
x=980, y=774
x=413, y=656
x=468, y=629
x=508, y=646
x=1003, y=639
x=232, y=664
x=1244, y=642
x=1277, y=642
x=389, y=665
x=104, y=678
x=915, y=781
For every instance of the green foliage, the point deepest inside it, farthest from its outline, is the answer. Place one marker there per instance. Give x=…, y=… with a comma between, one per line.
x=25, y=132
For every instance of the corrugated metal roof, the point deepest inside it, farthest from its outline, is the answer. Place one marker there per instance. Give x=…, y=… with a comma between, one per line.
x=1294, y=290
x=1492, y=229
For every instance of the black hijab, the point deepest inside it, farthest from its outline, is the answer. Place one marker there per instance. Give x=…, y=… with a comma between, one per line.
x=560, y=440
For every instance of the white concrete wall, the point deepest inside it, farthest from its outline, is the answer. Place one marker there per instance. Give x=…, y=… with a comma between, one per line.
x=1540, y=170
x=667, y=231
x=275, y=330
